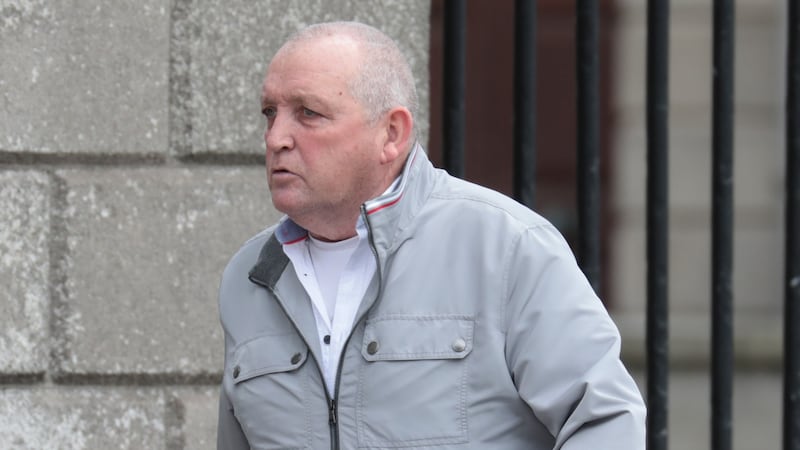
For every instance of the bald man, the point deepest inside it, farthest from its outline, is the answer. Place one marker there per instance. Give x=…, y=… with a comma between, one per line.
x=394, y=306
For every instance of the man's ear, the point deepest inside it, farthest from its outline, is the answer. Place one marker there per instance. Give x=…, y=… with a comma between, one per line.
x=399, y=124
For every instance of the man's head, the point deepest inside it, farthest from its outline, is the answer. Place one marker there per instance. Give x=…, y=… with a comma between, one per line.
x=338, y=99
x=384, y=78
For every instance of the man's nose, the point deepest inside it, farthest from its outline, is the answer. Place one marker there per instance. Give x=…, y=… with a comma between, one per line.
x=278, y=133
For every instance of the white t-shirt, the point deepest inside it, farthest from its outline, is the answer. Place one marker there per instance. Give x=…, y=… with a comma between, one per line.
x=329, y=260
x=336, y=278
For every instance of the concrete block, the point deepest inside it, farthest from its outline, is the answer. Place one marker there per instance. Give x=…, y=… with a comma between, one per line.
x=757, y=340
x=629, y=160
x=81, y=418
x=198, y=407
x=758, y=168
x=145, y=251
x=24, y=271
x=221, y=52
x=759, y=55
x=84, y=77
x=760, y=61
x=757, y=268
x=689, y=69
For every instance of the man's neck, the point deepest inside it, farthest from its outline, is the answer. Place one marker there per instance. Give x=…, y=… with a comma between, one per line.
x=333, y=237
x=330, y=228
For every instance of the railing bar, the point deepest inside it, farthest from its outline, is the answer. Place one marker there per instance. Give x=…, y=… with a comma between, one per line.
x=587, y=68
x=525, y=102
x=791, y=376
x=722, y=227
x=454, y=121
x=657, y=223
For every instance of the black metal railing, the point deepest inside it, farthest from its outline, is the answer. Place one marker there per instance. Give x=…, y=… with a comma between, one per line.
x=722, y=227
x=657, y=108
x=791, y=377
x=657, y=331
x=587, y=68
x=525, y=104
x=454, y=120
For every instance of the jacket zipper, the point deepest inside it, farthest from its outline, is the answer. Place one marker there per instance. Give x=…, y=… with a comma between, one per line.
x=334, y=419
x=333, y=422
x=332, y=413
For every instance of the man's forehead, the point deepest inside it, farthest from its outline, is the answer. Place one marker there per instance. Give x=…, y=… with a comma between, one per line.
x=298, y=76
x=294, y=84
x=341, y=48
x=292, y=96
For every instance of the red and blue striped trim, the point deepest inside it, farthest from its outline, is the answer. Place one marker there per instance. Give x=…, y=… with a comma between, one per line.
x=391, y=200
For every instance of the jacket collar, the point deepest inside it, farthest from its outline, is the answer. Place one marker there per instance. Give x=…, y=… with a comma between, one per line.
x=270, y=265
x=390, y=216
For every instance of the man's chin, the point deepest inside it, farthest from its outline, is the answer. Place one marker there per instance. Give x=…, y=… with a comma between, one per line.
x=289, y=205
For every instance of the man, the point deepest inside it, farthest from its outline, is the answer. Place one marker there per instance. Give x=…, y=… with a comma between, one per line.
x=396, y=306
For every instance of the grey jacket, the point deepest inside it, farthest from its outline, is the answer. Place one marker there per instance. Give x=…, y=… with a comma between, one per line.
x=478, y=331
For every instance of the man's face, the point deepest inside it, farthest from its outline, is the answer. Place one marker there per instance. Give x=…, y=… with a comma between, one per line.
x=322, y=152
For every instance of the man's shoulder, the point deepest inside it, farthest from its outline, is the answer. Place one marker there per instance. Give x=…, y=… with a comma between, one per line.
x=247, y=255
x=261, y=237
x=464, y=197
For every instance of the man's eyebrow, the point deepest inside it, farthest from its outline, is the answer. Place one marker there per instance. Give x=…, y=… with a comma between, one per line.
x=295, y=99
x=264, y=104
x=265, y=101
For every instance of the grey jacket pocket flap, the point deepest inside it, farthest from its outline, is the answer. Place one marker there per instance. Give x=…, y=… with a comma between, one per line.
x=267, y=354
x=405, y=338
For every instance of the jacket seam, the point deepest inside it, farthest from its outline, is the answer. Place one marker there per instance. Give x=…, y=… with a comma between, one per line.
x=263, y=335
x=421, y=318
x=507, y=269
x=483, y=201
x=506, y=282
x=266, y=371
x=432, y=355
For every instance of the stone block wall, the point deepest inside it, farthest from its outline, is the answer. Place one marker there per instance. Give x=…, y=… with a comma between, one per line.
x=131, y=169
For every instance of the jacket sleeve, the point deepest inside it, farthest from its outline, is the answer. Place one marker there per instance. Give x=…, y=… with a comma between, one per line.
x=229, y=433
x=563, y=349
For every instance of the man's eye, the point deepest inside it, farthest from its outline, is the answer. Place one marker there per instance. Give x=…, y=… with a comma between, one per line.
x=269, y=112
x=309, y=113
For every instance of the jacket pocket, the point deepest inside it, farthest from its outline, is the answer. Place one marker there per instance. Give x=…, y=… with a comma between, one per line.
x=268, y=354
x=269, y=389
x=413, y=387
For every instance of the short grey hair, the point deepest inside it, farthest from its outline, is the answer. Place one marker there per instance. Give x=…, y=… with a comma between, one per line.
x=384, y=78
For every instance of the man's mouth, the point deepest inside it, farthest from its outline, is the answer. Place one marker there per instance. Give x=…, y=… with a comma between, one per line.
x=281, y=173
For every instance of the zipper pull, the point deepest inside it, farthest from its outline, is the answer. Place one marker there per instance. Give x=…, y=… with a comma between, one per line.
x=332, y=413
